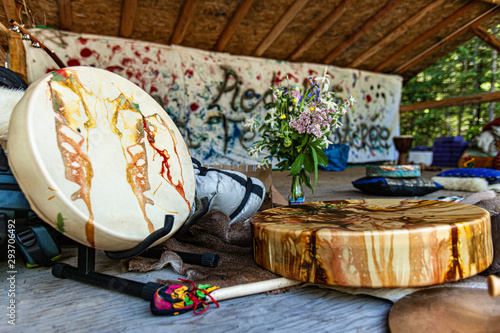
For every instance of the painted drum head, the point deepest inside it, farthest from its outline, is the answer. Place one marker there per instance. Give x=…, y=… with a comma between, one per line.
x=99, y=159
x=374, y=242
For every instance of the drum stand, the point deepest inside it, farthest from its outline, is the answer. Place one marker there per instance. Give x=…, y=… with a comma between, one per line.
x=85, y=270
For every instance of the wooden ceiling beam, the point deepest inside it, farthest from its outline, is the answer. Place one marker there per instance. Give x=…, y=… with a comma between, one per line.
x=65, y=15
x=363, y=30
x=187, y=14
x=453, y=101
x=496, y=2
x=323, y=27
x=458, y=13
x=129, y=9
x=236, y=19
x=279, y=27
x=487, y=37
x=457, y=33
x=397, y=32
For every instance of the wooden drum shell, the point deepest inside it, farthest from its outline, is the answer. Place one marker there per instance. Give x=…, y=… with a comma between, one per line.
x=374, y=243
x=130, y=185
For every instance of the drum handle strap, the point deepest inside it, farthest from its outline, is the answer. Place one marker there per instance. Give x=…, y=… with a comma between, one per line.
x=146, y=243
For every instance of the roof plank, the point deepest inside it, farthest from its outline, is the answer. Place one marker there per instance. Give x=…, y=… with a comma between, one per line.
x=363, y=30
x=129, y=9
x=487, y=37
x=236, y=19
x=323, y=27
x=457, y=33
x=458, y=13
x=280, y=26
x=187, y=14
x=65, y=15
x=397, y=32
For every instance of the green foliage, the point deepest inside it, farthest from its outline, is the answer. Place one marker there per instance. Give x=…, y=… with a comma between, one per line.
x=466, y=71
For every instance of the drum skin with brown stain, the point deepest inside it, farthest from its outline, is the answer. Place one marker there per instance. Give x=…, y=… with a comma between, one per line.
x=99, y=159
x=374, y=242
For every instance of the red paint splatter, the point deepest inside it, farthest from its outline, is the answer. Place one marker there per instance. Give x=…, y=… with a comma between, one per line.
x=153, y=90
x=194, y=106
x=127, y=61
x=165, y=166
x=62, y=72
x=146, y=48
x=137, y=54
x=129, y=74
x=83, y=41
x=146, y=61
x=115, y=69
x=278, y=80
x=258, y=77
x=50, y=70
x=73, y=62
x=86, y=52
x=116, y=49
x=312, y=72
x=188, y=73
x=174, y=77
x=368, y=98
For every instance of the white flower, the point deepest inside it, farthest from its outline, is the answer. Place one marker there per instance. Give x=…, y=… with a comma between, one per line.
x=251, y=123
x=352, y=100
x=326, y=84
x=325, y=142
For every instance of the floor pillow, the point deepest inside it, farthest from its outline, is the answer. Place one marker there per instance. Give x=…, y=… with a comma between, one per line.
x=491, y=175
x=396, y=186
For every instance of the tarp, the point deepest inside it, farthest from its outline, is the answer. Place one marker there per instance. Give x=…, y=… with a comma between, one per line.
x=210, y=95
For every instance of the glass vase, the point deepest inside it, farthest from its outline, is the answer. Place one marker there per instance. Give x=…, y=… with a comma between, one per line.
x=297, y=192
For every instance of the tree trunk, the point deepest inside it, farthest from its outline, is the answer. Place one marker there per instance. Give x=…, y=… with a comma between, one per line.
x=494, y=58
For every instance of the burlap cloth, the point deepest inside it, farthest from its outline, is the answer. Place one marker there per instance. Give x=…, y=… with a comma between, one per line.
x=213, y=234
x=233, y=243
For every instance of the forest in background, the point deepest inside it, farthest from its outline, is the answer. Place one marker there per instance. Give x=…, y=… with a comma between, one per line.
x=471, y=69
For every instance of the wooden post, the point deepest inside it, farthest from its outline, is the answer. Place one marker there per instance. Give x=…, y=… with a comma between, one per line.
x=17, y=54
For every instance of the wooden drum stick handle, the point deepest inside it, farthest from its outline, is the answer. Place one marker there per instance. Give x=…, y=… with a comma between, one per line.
x=494, y=285
x=252, y=288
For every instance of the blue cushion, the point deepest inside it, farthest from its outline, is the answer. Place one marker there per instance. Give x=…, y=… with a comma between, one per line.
x=396, y=186
x=491, y=175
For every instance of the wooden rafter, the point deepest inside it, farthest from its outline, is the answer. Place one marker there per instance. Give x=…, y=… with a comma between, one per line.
x=238, y=16
x=65, y=15
x=363, y=30
x=487, y=37
x=320, y=29
x=279, y=27
x=470, y=6
x=457, y=33
x=496, y=2
x=187, y=14
x=128, y=18
x=17, y=54
x=396, y=33
x=454, y=101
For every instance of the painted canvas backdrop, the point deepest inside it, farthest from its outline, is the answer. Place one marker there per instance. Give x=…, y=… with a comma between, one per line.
x=211, y=95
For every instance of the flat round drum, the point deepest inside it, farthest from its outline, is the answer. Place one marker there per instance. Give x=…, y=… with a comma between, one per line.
x=99, y=159
x=374, y=242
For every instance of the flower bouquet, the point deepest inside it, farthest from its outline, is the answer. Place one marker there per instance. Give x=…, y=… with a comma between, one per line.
x=295, y=130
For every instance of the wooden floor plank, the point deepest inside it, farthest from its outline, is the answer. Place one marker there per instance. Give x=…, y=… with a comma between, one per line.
x=48, y=304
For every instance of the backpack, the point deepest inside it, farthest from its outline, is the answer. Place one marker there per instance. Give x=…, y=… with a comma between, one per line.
x=230, y=191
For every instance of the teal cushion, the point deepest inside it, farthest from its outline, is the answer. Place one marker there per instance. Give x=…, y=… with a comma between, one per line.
x=491, y=175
